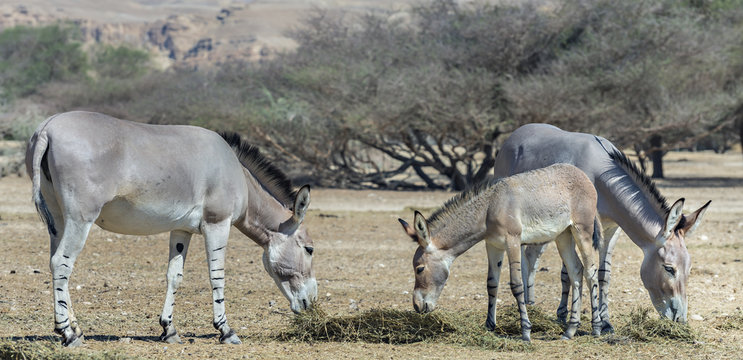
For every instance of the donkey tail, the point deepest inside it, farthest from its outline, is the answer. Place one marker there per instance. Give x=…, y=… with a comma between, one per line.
x=598, y=233
x=37, y=148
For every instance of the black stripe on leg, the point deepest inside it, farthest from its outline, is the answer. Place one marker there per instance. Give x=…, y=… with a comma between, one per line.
x=219, y=301
x=62, y=303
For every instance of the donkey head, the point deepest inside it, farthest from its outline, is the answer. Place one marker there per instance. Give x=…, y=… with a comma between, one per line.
x=665, y=269
x=430, y=263
x=288, y=257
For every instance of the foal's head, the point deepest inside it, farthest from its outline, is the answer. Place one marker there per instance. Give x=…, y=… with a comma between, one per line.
x=431, y=265
x=665, y=269
x=288, y=257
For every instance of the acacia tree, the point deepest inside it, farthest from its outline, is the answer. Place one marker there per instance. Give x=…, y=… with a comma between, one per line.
x=651, y=75
x=426, y=96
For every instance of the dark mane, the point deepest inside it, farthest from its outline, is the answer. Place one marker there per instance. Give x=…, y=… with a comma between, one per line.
x=643, y=181
x=449, y=208
x=273, y=180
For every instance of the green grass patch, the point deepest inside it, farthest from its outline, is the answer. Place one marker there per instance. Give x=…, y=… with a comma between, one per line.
x=641, y=327
x=47, y=348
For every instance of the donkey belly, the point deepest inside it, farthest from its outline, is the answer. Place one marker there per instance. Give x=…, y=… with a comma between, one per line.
x=540, y=230
x=124, y=217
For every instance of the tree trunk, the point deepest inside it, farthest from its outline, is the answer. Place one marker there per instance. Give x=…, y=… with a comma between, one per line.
x=656, y=155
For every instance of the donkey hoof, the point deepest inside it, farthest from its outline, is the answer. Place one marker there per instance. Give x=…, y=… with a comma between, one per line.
x=526, y=337
x=73, y=341
x=596, y=331
x=230, y=338
x=566, y=337
x=171, y=338
x=607, y=328
x=490, y=325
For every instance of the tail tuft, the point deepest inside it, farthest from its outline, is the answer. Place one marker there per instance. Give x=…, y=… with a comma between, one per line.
x=598, y=233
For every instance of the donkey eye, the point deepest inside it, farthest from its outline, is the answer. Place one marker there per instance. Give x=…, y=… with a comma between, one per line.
x=419, y=269
x=309, y=249
x=670, y=270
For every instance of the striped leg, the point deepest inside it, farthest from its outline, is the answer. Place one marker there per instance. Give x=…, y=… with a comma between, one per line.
x=513, y=248
x=530, y=258
x=566, y=247
x=495, y=260
x=215, y=236
x=179, y=241
x=562, y=309
x=611, y=233
x=61, y=264
x=589, y=256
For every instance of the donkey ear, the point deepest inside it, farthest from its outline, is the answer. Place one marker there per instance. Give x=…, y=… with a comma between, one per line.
x=672, y=219
x=408, y=229
x=301, y=203
x=421, y=230
x=694, y=219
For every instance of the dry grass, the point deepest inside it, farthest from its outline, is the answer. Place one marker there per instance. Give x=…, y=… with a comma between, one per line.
x=641, y=327
x=404, y=327
x=49, y=348
x=731, y=322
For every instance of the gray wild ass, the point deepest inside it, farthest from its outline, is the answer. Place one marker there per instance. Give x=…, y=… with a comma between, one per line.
x=627, y=198
x=139, y=179
x=555, y=203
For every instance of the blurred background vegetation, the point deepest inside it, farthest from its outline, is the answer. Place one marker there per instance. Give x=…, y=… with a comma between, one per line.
x=422, y=98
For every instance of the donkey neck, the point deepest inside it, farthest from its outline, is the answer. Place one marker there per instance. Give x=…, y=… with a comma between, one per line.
x=638, y=213
x=262, y=212
x=461, y=224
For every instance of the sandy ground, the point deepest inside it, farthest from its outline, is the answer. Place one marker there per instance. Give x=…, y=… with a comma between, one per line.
x=361, y=255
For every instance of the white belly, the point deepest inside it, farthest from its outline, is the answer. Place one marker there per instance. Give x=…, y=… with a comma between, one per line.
x=540, y=231
x=123, y=217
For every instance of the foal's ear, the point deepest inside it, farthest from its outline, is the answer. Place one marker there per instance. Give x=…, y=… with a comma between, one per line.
x=692, y=221
x=301, y=203
x=672, y=219
x=421, y=230
x=408, y=229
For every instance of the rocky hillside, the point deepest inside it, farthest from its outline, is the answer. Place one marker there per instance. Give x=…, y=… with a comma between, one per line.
x=185, y=33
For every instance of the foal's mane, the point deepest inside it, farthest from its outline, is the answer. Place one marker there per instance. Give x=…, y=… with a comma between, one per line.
x=451, y=206
x=274, y=181
x=643, y=181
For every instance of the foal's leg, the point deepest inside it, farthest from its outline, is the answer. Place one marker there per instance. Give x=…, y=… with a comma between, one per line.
x=530, y=261
x=61, y=263
x=215, y=239
x=562, y=309
x=566, y=247
x=611, y=233
x=179, y=241
x=513, y=248
x=589, y=255
x=495, y=261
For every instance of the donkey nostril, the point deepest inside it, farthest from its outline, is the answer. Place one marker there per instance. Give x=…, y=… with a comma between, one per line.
x=415, y=306
x=304, y=303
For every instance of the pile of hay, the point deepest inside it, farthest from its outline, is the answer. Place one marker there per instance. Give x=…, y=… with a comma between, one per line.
x=404, y=327
x=374, y=326
x=641, y=327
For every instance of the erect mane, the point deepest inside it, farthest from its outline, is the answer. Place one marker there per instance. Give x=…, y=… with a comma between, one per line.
x=273, y=180
x=450, y=207
x=643, y=181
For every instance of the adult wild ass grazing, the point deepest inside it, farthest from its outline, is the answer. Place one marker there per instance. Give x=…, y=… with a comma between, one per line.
x=555, y=203
x=141, y=179
x=627, y=198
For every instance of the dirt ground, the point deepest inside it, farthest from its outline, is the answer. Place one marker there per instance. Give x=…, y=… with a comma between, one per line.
x=361, y=257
